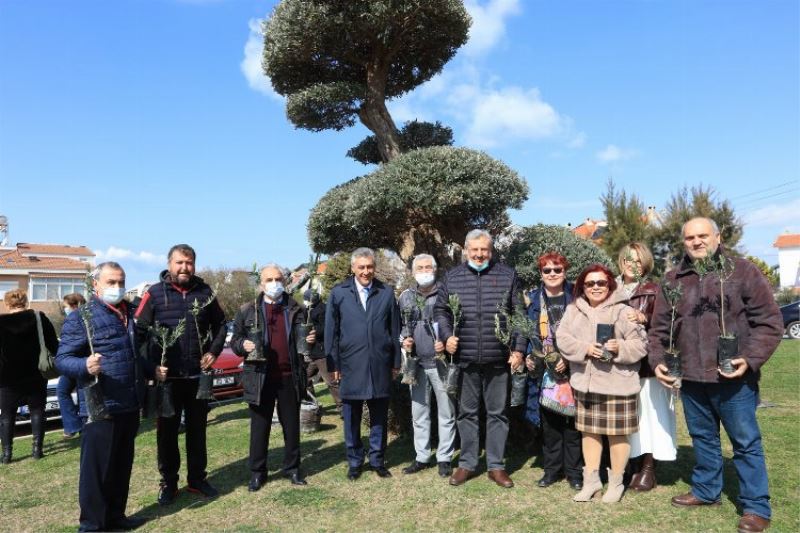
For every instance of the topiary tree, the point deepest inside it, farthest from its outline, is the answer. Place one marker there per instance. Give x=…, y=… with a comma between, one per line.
x=413, y=135
x=423, y=201
x=528, y=243
x=340, y=61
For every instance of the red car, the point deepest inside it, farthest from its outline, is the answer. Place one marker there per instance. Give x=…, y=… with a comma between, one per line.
x=227, y=375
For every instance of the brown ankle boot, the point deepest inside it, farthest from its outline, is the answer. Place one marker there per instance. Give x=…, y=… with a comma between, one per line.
x=646, y=477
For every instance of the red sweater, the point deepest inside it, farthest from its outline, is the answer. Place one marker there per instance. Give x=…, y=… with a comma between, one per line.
x=278, y=365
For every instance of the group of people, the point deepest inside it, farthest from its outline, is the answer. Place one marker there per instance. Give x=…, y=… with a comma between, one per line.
x=595, y=365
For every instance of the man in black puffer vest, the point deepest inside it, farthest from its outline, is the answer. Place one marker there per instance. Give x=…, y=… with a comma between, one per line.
x=482, y=286
x=166, y=303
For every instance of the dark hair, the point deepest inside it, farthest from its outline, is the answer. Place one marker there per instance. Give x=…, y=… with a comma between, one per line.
x=16, y=299
x=185, y=249
x=74, y=299
x=580, y=282
x=552, y=257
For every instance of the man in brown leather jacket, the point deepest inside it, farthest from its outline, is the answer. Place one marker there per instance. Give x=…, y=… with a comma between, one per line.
x=709, y=395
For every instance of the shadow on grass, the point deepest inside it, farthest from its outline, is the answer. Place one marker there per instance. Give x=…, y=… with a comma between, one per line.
x=680, y=470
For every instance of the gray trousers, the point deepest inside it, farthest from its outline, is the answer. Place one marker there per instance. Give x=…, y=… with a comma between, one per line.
x=428, y=379
x=489, y=383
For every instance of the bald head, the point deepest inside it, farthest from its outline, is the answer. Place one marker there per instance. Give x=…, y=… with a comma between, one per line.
x=701, y=237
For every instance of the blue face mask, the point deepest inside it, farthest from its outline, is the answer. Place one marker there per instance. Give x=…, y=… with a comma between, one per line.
x=478, y=268
x=113, y=295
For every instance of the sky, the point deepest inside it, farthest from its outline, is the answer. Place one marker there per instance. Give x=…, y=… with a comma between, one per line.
x=132, y=125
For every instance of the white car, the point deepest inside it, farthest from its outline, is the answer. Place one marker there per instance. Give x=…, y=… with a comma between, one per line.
x=51, y=410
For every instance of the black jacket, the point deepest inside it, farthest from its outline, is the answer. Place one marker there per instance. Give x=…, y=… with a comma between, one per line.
x=480, y=293
x=318, y=320
x=19, y=347
x=165, y=303
x=254, y=375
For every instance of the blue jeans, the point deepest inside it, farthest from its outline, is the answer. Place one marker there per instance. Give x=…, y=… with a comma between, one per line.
x=69, y=411
x=705, y=405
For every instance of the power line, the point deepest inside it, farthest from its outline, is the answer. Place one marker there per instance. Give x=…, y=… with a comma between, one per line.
x=768, y=189
x=757, y=200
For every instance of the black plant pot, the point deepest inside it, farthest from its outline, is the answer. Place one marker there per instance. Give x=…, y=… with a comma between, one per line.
x=205, y=386
x=605, y=332
x=727, y=349
x=452, y=377
x=95, y=402
x=150, y=400
x=672, y=360
x=165, y=408
x=519, y=383
x=551, y=366
x=257, y=355
x=409, y=370
x=301, y=331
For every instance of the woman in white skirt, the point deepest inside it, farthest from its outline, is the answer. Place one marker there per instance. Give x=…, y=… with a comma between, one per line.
x=655, y=440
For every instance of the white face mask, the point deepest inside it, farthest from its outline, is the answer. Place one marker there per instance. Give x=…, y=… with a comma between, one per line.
x=68, y=310
x=113, y=295
x=273, y=290
x=425, y=279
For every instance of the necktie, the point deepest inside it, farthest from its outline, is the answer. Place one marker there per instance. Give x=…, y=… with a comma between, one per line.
x=365, y=290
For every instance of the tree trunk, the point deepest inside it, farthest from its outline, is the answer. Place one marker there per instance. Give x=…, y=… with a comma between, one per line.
x=376, y=117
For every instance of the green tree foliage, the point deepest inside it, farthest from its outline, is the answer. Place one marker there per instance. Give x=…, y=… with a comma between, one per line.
x=336, y=61
x=422, y=201
x=233, y=288
x=786, y=295
x=625, y=219
x=413, y=135
x=528, y=243
x=769, y=272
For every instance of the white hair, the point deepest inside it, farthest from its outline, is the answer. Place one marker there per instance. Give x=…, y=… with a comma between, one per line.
x=113, y=265
x=362, y=252
x=478, y=234
x=284, y=271
x=421, y=257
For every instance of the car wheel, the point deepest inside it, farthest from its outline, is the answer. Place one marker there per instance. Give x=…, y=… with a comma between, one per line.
x=793, y=330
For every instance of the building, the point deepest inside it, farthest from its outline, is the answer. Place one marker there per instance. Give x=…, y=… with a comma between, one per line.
x=788, y=245
x=591, y=230
x=47, y=272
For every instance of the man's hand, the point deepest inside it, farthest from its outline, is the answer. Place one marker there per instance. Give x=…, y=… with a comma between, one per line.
x=740, y=367
x=311, y=338
x=161, y=373
x=207, y=360
x=336, y=376
x=93, y=363
x=395, y=373
x=530, y=363
x=612, y=345
x=438, y=346
x=637, y=317
x=561, y=366
x=248, y=346
x=515, y=360
x=663, y=377
x=408, y=344
x=595, y=350
x=452, y=344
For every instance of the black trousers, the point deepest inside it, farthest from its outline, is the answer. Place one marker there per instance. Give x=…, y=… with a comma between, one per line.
x=561, y=446
x=261, y=422
x=32, y=392
x=107, y=448
x=196, y=416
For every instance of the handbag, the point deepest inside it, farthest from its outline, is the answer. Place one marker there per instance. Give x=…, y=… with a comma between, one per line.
x=557, y=395
x=47, y=363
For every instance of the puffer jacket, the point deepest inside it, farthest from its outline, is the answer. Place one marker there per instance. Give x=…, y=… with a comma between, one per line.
x=166, y=304
x=643, y=299
x=122, y=376
x=480, y=293
x=750, y=313
x=578, y=330
x=254, y=375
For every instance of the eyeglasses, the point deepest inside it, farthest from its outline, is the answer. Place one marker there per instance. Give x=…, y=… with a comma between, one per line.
x=592, y=283
x=557, y=270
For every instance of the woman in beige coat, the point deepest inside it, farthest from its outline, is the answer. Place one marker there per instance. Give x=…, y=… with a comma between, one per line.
x=605, y=377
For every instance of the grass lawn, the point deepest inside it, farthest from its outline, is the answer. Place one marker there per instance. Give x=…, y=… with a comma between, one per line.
x=42, y=495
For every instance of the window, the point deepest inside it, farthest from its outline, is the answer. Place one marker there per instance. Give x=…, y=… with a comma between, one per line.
x=54, y=289
x=6, y=286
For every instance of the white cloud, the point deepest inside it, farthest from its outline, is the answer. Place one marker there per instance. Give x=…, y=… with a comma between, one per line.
x=113, y=253
x=251, y=64
x=778, y=214
x=613, y=153
x=577, y=141
x=488, y=23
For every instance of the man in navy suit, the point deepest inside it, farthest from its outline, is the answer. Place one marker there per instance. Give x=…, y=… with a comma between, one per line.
x=362, y=336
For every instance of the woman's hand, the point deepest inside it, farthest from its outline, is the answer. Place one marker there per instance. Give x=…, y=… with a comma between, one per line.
x=311, y=338
x=561, y=366
x=612, y=345
x=594, y=350
x=637, y=317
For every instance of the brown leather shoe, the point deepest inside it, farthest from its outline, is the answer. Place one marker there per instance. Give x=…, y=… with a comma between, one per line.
x=752, y=523
x=460, y=476
x=501, y=478
x=690, y=500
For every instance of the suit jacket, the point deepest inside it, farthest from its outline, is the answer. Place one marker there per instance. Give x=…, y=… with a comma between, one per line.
x=364, y=344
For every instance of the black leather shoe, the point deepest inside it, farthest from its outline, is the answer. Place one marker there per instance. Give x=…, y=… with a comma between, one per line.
x=445, y=469
x=381, y=471
x=257, y=481
x=548, y=480
x=296, y=478
x=415, y=467
x=204, y=488
x=126, y=523
x=167, y=494
x=576, y=484
x=353, y=473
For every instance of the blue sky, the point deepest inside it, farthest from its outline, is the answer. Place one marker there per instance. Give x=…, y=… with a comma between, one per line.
x=129, y=126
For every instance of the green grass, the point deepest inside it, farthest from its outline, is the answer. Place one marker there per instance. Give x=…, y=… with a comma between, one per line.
x=42, y=495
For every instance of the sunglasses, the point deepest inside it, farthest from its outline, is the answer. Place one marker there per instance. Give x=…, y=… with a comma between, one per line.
x=592, y=283
x=557, y=270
